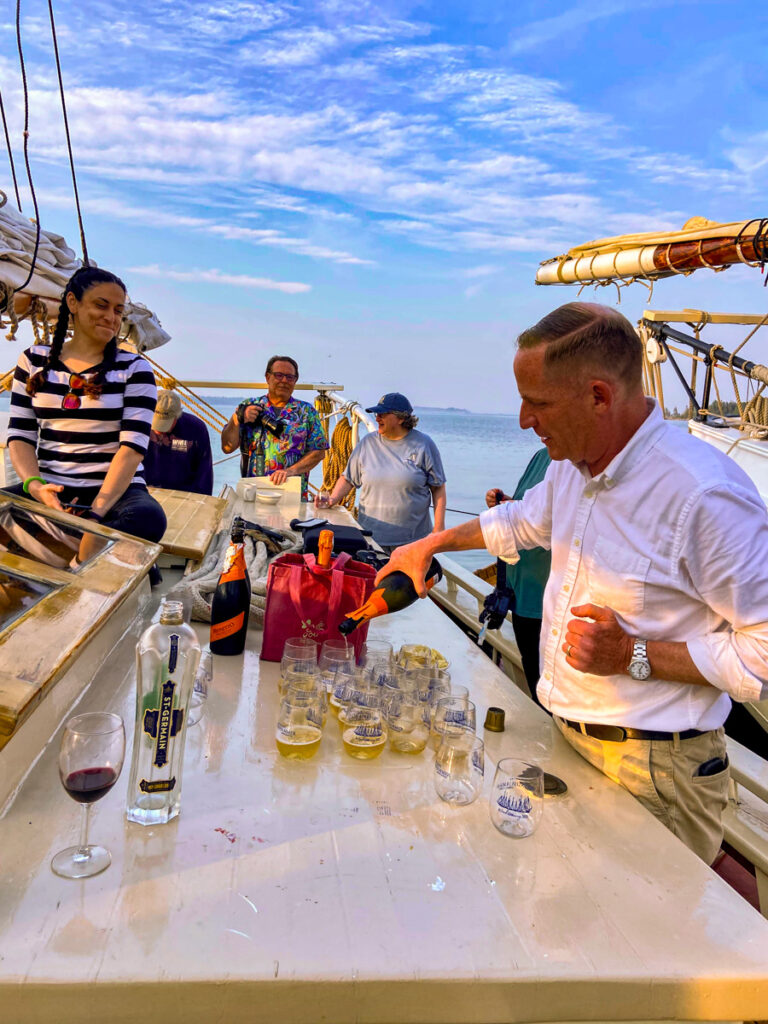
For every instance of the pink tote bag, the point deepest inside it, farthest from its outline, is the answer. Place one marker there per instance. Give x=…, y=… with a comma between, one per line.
x=305, y=600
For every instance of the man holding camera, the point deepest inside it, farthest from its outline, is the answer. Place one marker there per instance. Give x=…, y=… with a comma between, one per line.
x=278, y=435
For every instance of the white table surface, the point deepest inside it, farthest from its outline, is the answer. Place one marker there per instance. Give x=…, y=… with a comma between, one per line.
x=341, y=891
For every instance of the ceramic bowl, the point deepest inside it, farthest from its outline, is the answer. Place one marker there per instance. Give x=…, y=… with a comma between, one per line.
x=269, y=497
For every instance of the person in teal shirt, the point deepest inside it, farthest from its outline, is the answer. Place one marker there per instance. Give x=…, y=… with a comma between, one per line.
x=527, y=578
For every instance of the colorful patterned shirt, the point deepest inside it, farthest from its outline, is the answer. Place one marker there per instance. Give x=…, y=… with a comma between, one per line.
x=303, y=433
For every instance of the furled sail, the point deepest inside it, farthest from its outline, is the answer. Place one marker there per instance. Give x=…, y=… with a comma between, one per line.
x=701, y=243
x=54, y=264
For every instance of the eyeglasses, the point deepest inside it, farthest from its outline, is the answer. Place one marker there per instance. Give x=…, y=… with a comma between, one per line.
x=77, y=382
x=289, y=378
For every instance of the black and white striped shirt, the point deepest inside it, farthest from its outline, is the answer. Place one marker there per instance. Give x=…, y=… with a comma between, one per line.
x=75, y=446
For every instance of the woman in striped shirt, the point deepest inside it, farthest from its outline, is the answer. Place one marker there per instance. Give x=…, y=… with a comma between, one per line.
x=81, y=413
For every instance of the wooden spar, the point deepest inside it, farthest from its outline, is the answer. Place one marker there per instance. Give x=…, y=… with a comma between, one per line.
x=614, y=259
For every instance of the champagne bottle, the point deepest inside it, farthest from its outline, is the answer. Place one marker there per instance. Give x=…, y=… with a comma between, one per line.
x=395, y=592
x=231, y=603
x=167, y=657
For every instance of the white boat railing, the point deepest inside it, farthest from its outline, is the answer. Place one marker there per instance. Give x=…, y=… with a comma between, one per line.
x=461, y=594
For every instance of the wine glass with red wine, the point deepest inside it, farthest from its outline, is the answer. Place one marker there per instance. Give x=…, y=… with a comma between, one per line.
x=90, y=761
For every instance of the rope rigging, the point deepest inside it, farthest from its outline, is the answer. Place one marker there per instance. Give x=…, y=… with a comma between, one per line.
x=66, y=132
x=26, y=148
x=10, y=154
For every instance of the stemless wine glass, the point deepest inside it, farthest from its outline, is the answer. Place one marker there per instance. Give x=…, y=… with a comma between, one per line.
x=299, y=723
x=299, y=653
x=452, y=715
x=408, y=723
x=90, y=762
x=365, y=733
x=517, y=797
x=203, y=678
x=459, y=767
x=335, y=653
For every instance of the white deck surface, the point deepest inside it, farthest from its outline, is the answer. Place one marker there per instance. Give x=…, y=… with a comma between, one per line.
x=343, y=891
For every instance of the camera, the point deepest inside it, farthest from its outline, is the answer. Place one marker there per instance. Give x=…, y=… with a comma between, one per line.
x=266, y=420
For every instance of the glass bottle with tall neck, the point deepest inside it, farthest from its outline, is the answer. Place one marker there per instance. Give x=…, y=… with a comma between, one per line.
x=231, y=602
x=167, y=656
x=394, y=592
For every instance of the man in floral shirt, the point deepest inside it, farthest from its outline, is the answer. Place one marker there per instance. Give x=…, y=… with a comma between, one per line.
x=278, y=435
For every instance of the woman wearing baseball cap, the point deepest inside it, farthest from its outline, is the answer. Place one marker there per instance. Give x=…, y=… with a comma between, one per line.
x=399, y=473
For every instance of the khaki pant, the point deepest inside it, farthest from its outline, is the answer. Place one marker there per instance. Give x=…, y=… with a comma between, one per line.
x=661, y=774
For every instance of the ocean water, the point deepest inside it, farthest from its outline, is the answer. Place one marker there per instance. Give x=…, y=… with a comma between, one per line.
x=478, y=451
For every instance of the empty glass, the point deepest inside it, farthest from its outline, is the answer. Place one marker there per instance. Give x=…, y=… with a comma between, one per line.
x=333, y=654
x=375, y=650
x=299, y=653
x=408, y=723
x=90, y=762
x=452, y=715
x=203, y=678
x=517, y=797
x=459, y=767
x=299, y=724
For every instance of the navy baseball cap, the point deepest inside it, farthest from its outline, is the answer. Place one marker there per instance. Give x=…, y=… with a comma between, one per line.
x=392, y=402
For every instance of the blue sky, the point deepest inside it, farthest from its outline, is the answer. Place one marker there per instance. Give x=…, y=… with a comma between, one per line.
x=370, y=185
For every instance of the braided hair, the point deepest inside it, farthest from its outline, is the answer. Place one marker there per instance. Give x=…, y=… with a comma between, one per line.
x=78, y=285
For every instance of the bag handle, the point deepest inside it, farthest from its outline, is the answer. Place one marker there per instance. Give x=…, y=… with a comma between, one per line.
x=337, y=586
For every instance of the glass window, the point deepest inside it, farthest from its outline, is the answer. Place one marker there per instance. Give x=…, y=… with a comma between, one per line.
x=17, y=594
x=35, y=535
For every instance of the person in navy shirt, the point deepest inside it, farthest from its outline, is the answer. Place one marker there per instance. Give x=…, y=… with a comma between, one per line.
x=179, y=456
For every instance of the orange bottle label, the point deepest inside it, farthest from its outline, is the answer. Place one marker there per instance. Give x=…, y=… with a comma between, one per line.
x=220, y=630
x=374, y=606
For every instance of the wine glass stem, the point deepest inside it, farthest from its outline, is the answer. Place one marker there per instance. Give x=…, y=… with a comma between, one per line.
x=83, y=852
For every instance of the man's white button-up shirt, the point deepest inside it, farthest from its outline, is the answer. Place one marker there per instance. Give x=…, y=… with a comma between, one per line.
x=673, y=537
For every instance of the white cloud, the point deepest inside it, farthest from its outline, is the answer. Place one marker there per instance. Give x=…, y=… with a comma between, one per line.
x=214, y=276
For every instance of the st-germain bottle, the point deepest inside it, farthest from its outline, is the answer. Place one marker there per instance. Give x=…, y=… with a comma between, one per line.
x=231, y=604
x=395, y=592
x=167, y=656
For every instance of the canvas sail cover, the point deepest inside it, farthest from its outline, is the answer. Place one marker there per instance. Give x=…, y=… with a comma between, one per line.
x=54, y=265
x=651, y=255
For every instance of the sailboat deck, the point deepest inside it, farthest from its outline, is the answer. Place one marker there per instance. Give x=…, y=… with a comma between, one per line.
x=345, y=891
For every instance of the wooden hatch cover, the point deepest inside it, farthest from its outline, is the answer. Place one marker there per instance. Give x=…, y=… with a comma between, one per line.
x=193, y=519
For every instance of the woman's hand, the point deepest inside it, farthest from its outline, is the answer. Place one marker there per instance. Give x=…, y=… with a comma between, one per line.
x=46, y=494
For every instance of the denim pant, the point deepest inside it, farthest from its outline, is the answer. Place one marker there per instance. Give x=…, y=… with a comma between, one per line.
x=136, y=512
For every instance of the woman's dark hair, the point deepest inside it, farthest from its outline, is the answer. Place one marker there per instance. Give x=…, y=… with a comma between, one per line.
x=78, y=285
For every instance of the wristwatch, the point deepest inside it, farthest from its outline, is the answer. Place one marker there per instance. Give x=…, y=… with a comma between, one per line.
x=639, y=666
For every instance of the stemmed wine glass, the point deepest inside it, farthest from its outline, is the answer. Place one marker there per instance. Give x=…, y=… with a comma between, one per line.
x=90, y=761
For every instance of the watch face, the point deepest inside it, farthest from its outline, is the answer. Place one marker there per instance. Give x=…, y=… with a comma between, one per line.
x=639, y=669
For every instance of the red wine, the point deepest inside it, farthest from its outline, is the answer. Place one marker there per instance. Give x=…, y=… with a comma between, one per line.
x=89, y=784
x=395, y=592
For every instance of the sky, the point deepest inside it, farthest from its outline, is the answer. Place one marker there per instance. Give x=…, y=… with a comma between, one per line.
x=370, y=186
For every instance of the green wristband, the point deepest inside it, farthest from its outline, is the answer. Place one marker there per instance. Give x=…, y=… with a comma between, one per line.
x=31, y=479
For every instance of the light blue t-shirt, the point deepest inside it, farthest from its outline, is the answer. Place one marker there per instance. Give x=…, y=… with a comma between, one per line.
x=393, y=480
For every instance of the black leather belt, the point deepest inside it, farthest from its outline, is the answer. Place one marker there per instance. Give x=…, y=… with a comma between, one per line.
x=618, y=733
